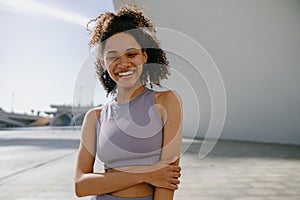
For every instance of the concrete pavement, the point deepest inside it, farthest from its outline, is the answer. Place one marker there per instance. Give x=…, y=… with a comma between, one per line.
x=39, y=164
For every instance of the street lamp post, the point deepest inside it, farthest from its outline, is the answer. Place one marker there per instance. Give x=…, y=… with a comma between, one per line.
x=12, y=102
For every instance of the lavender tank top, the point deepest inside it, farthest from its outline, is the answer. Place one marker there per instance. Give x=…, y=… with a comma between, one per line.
x=130, y=133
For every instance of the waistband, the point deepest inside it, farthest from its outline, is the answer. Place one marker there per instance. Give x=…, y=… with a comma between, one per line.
x=110, y=197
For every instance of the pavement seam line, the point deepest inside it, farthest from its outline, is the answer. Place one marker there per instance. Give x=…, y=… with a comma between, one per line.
x=35, y=166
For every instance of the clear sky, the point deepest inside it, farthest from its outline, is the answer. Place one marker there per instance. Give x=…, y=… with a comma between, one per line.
x=43, y=47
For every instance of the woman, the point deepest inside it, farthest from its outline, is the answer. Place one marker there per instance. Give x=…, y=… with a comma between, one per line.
x=137, y=135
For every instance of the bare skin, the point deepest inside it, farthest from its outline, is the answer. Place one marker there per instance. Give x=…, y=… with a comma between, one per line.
x=124, y=55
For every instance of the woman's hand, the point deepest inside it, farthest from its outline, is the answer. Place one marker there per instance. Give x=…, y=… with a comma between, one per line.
x=164, y=174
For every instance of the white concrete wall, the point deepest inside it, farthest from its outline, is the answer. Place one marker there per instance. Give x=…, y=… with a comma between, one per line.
x=256, y=46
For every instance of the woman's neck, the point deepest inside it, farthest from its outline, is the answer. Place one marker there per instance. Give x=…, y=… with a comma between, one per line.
x=127, y=94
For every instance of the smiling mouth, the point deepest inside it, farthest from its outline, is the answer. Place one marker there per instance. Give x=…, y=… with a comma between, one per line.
x=124, y=74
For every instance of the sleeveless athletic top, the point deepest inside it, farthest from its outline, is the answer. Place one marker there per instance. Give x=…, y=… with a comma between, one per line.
x=130, y=133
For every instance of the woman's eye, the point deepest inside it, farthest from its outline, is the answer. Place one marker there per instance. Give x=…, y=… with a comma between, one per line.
x=131, y=55
x=112, y=58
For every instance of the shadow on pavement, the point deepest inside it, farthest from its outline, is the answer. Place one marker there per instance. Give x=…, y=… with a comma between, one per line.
x=236, y=149
x=44, y=143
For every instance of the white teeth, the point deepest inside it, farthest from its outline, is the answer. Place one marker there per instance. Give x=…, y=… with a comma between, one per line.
x=125, y=73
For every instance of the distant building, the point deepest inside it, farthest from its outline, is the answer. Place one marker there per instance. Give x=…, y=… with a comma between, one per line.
x=8, y=120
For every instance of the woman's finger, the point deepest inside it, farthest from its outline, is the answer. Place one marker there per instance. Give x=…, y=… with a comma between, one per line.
x=176, y=174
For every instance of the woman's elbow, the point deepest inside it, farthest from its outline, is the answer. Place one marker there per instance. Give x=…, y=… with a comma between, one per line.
x=78, y=188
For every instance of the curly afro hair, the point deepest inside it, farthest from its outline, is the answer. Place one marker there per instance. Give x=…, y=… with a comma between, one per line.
x=131, y=20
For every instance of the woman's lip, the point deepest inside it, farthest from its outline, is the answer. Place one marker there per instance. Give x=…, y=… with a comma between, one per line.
x=125, y=73
x=133, y=71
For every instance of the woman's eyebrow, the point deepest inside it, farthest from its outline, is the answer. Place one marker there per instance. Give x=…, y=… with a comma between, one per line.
x=113, y=51
x=132, y=48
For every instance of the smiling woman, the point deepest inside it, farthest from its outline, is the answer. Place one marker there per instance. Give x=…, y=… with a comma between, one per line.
x=137, y=135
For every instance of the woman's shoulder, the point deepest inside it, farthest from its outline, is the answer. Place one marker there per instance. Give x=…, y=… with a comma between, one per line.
x=94, y=113
x=167, y=96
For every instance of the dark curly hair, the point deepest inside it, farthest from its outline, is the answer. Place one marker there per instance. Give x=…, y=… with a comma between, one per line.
x=131, y=20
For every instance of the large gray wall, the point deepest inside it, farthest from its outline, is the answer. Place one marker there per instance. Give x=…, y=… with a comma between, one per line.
x=256, y=46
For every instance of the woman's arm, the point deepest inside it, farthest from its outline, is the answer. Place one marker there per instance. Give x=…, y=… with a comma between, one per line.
x=89, y=183
x=171, y=113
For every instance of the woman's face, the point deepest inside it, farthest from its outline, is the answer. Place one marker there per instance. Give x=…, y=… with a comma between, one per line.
x=123, y=58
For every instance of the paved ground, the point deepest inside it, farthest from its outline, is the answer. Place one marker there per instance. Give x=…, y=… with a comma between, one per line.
x=39, y=164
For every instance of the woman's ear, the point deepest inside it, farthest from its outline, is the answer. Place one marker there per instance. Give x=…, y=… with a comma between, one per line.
x=145, y=57
x=102, y=64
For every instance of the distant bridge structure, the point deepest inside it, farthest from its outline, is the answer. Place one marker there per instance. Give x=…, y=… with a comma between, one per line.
x=12, y=120
x=66, y=115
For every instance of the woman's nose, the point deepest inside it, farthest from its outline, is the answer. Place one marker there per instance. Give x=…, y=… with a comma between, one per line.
x=123, y=61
